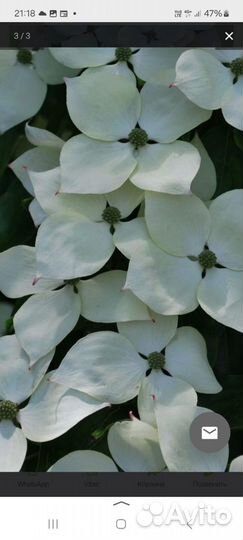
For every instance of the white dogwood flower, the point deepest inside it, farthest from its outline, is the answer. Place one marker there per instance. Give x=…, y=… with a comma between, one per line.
x=23, y=278
x=160, y=440
x=57, y=304
x=117, y=123
x=77, y=240
x=51, y=411
x=24, y=76
x=111, y=366
x=194, y=255
x=18, y=380
x=213, y=83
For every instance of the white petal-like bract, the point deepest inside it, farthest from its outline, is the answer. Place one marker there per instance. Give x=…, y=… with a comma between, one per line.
x=108, y=114
x=84, y=461
x=202, y=78
x=91, y=166
x=135, y=447
x=104, y=365
x=152, y=335
x=167, y=168
x=13, y=447
x=167, y=284
x=68, y=246
x=54, y=409
x=220, y=294
x=22, y=93
x=179, y=225
x=45, y=319
x=104, y=300
x=186, y=358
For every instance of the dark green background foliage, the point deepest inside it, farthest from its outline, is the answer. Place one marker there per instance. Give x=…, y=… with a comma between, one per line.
x=225, y=346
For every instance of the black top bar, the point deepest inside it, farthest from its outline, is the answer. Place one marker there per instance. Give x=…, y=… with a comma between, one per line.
x=121, y=34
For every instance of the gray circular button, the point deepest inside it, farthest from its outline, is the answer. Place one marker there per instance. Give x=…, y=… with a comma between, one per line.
x=210, y=432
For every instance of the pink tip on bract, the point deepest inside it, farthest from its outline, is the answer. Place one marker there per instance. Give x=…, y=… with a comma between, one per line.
x=35, y=280
x=172, y=85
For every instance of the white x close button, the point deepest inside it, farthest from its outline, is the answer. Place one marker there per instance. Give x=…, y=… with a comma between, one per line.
x=229, y=36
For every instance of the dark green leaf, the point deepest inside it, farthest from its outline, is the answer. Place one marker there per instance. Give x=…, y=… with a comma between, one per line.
x=8, y=142
x=238, y=138
x=219, y=141
x=16, y=226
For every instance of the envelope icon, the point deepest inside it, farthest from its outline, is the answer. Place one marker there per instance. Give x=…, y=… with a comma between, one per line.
x=209, y=432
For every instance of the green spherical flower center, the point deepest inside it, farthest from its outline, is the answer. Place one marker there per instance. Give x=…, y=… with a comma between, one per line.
x=24, y=56
x=237, y=67
x=156, y=360
x=111, y=215
x=123, y=54
x=138, y=137
x=8, y=410
x=207, y=259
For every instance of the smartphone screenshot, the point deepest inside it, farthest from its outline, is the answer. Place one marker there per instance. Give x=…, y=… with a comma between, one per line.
x=121, y=270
